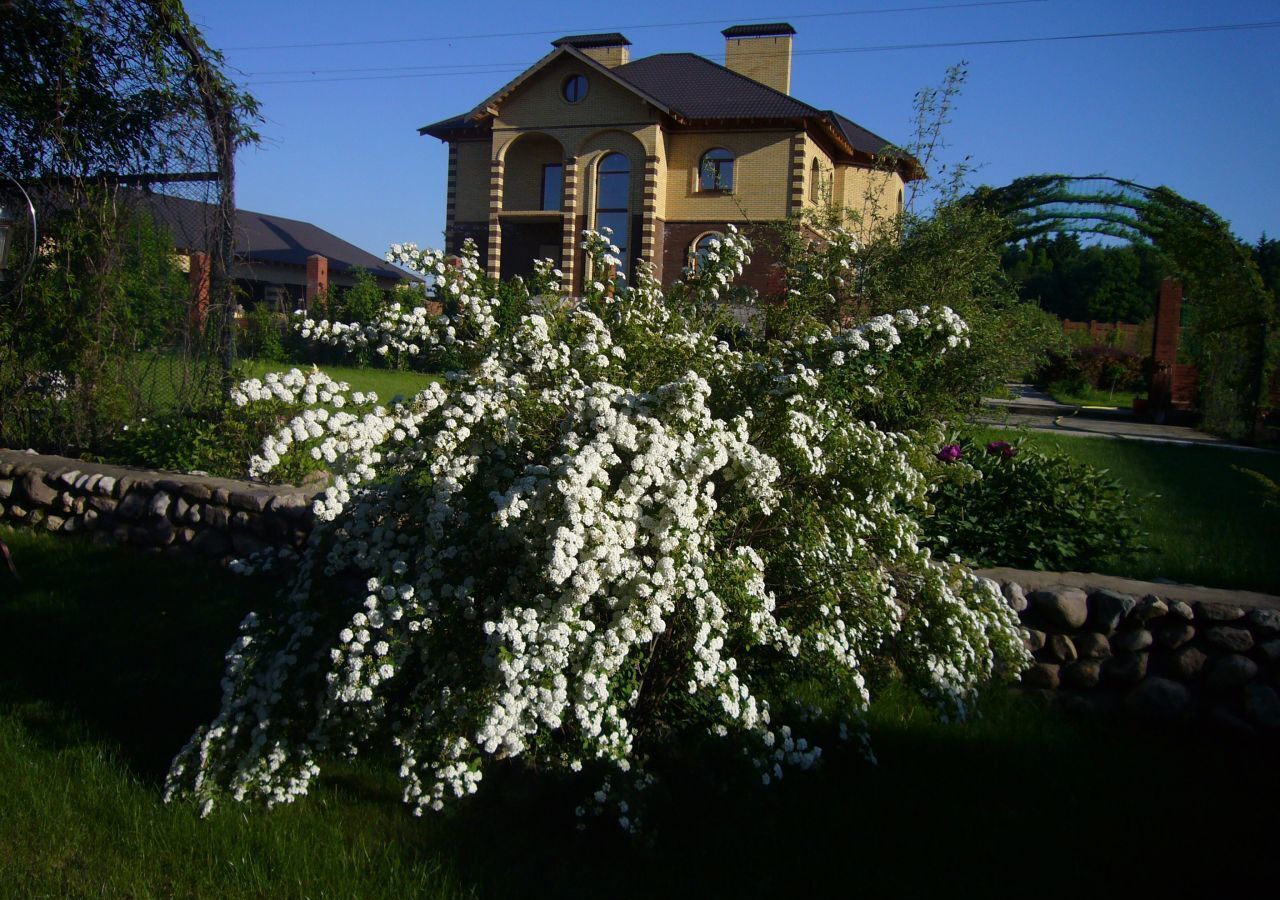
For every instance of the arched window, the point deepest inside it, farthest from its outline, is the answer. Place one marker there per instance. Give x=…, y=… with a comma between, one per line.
x=715, y=170
x=900, y=201
x=699, y=249
x=815, y=182
x=613, y=203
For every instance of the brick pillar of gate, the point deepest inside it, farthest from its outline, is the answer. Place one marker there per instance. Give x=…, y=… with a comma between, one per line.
x=198, y=278
x=1164, y=344
x=317, y=278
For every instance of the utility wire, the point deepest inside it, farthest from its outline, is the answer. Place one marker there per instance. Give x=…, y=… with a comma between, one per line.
x=603, y=28
x=873, y=48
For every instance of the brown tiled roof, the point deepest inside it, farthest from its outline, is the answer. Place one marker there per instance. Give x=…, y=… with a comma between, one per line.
x=694, y=88
x=697, y=88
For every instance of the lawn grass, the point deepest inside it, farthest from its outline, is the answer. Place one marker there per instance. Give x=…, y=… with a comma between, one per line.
x=1206, y=520
x=1092, y=396
x=113, y=656
x=386, y=383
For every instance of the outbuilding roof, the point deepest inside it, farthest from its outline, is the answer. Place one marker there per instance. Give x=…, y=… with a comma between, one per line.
x=264, y=238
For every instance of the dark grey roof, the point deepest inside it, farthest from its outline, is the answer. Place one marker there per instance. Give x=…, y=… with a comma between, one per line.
x=858, y=137
x=697, y=88
x=264, y=238
x=587, y=41
x=772, y=29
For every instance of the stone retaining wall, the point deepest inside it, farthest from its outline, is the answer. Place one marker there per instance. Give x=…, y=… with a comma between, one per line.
x=215, y=517
x=1154, y=657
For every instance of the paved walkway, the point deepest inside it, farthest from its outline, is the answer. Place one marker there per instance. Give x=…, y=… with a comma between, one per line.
x=1032, y=408
x=1188, y=593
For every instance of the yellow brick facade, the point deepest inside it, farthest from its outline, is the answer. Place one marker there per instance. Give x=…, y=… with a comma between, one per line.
x=761, y=176
x=496, y=180
x=764, y=59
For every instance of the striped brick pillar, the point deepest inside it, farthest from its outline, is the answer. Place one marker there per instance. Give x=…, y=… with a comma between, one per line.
x=451, y=242
x=649, y=212
x=795, y=202
x=493, y=267
x=569, y=231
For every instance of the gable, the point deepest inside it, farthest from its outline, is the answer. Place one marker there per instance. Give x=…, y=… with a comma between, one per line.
x=539, y=103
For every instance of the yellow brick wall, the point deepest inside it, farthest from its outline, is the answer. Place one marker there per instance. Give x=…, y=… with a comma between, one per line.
x=539, y=102
x=871, y=192
x=522, y=172
x=595, y=148
x=826, y=176
x=763, y=59
x=609, y=56
x=472, y=198
x=761, y=176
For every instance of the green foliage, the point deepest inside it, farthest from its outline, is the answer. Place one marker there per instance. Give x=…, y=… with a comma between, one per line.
x=265, y=334
x=1012, y=504
x=1106, y=283
x=217, y=439
x=1097, y=368
x=93, y=86
x=1229, y=310
x=105, y=287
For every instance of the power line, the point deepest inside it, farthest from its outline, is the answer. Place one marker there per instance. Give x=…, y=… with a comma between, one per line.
x=506, y=34
x=872, y=48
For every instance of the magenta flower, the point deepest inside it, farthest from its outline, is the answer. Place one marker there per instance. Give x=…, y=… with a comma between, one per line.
x=949, y=453
x=1003, y=448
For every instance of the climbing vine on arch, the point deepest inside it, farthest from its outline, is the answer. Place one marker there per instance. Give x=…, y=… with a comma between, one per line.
x=1229, y=313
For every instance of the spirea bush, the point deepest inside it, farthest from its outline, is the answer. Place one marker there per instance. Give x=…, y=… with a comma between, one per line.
x=614, y=534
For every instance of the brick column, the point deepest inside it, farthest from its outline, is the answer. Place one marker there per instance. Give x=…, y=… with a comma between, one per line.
x=796, y=201
x=317, y=278
x=569, y=229
x=1164, y=344
x=451, y=242
x=493, y=266
x=649, y=212
x=198, y=278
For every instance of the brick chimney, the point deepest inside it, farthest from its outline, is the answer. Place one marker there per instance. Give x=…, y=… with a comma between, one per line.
x=761, y=53
x=607, y=49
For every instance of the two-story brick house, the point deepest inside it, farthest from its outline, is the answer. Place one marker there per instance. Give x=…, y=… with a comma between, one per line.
x=664, y=150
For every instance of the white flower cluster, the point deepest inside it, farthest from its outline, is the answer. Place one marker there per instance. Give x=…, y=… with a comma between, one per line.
x=614, y=525
x=465, y=318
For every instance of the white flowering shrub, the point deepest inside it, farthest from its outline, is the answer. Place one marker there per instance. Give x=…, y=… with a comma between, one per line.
x=615, y=532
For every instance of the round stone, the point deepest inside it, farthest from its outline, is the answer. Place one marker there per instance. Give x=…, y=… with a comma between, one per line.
x=1172, y=634
x=1041, y=675
x=1060, y=607
x=1230, y=672
x=1132, y=641
x=1093, y=646
x=1060, y=647
x=1187, y=662
x=1108, y=608
x=1210, y=611
x=1236, y=640
x=1159, y=698
x=1085, y=673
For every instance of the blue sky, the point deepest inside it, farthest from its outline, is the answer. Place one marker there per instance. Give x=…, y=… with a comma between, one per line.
x=1199, y=112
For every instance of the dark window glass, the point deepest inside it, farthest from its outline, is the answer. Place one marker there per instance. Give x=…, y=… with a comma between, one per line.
x=615, y=182
x=702, y=248
x=613, y=201
x=552, y=175
x=715, y=172
x=575, y=88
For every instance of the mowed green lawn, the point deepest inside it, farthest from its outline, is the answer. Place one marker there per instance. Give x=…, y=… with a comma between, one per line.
x=112, y=657
x=1207, y=521
x=386, y=383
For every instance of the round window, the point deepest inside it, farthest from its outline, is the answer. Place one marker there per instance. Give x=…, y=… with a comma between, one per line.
x=575, y=88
